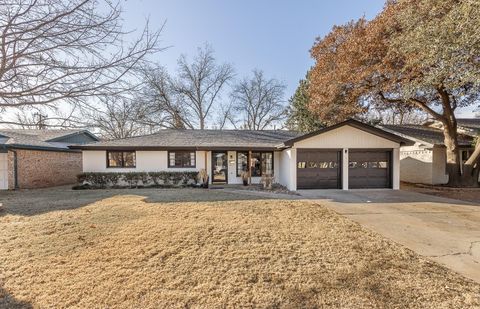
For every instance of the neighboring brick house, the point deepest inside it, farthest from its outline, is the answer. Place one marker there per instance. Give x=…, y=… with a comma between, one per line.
x=40, y=158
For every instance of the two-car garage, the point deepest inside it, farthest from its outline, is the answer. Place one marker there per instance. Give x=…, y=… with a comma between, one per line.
x=322, y=169
x=350, y=155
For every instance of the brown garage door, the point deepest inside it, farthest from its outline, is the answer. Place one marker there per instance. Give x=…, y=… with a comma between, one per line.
x=369, y=169
x=318, y=169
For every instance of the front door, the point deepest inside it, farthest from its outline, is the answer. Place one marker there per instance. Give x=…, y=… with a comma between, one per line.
x=219, y=166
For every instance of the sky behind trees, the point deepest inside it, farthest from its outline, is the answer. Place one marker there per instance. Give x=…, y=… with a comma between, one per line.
x=274, y=36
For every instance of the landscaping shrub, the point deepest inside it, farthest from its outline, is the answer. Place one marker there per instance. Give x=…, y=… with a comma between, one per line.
x=136, y=179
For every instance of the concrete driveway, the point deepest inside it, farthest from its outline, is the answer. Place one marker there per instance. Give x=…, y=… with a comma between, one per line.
x=444, y=230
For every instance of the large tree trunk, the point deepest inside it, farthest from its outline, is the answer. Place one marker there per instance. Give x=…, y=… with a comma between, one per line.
x=452, y=151
x=469, y=177
x=471, y=168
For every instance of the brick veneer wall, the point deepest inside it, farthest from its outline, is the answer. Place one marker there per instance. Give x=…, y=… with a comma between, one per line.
x=39, y=169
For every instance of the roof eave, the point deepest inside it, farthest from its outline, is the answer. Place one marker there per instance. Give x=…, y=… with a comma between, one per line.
x=358, y=125
x=160, y=148
x=43, y=148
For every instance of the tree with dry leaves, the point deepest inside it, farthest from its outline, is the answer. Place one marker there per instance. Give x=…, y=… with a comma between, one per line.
x=418, y=53
x=65, y=51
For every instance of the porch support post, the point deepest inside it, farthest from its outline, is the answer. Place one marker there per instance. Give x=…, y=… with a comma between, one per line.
x=249, y=167
x=206, y=168
x=345, y=168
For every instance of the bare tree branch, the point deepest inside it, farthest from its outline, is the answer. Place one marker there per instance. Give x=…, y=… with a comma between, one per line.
x=55, y=51
x=200, y=83
x=259, y=101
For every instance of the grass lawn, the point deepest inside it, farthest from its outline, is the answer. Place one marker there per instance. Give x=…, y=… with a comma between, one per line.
x=123, y=252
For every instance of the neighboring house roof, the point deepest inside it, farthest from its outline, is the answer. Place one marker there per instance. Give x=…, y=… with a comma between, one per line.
x=226, y=139
x=58, y=140
x=356, y=124
x=428, y=135
x=199, y=139
x=469, y=123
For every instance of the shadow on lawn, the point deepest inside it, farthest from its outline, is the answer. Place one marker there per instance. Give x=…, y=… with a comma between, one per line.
x=8, y=301
x=39, y=201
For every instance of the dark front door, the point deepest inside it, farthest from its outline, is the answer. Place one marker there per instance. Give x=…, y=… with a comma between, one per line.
x=219, y=166
x=318, y=169
x=369, y=169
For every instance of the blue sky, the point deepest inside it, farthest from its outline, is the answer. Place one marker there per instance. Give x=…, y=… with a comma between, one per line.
x=274, y=36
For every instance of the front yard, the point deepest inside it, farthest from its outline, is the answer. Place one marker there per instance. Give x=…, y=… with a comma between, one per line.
x=114, y=249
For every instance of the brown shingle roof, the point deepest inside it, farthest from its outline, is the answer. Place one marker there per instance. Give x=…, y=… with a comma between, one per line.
x=41, y=139
x=200, y=139
x=470, y=123
x=426, y=134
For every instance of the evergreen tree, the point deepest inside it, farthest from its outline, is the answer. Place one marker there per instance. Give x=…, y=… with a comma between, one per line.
x=299, y=117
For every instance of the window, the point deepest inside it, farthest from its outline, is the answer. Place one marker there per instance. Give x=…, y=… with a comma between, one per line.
x=121, y=159
x=261, y=163
x=181, y=159
x=267, y=163
x=368, y=164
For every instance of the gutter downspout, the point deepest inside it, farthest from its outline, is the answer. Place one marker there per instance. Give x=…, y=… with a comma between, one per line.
x=15, y=169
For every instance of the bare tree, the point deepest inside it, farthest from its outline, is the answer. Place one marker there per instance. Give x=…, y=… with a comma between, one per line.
x=259, y=101
x=200, y=84
x=164, y=104
x=34, y=120
x=41, y=118
x=225, y=116
x=118, y=117
x=55, y=51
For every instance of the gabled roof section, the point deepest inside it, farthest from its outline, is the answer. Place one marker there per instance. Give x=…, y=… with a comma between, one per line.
x=198, y=139
x=428, y=135
x=56, y=140
x=355, y=124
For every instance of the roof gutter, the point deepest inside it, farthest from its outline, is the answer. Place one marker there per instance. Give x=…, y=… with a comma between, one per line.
x=43, y=148
x=159, y=148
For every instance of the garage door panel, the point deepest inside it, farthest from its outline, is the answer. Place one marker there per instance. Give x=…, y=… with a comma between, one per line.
x=318, y=169
x=369, y=169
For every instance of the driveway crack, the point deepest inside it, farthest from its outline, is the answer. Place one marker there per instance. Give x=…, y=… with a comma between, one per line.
x=468, y=252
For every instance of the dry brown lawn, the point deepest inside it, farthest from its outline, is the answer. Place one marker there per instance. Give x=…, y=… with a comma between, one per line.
x=123, y=252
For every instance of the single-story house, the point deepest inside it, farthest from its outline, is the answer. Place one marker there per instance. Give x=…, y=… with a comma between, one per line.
x=426, y=161
x=350, y=154
x=40, y=158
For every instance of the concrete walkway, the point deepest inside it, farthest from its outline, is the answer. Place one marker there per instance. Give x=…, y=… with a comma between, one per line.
x=444, y=230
